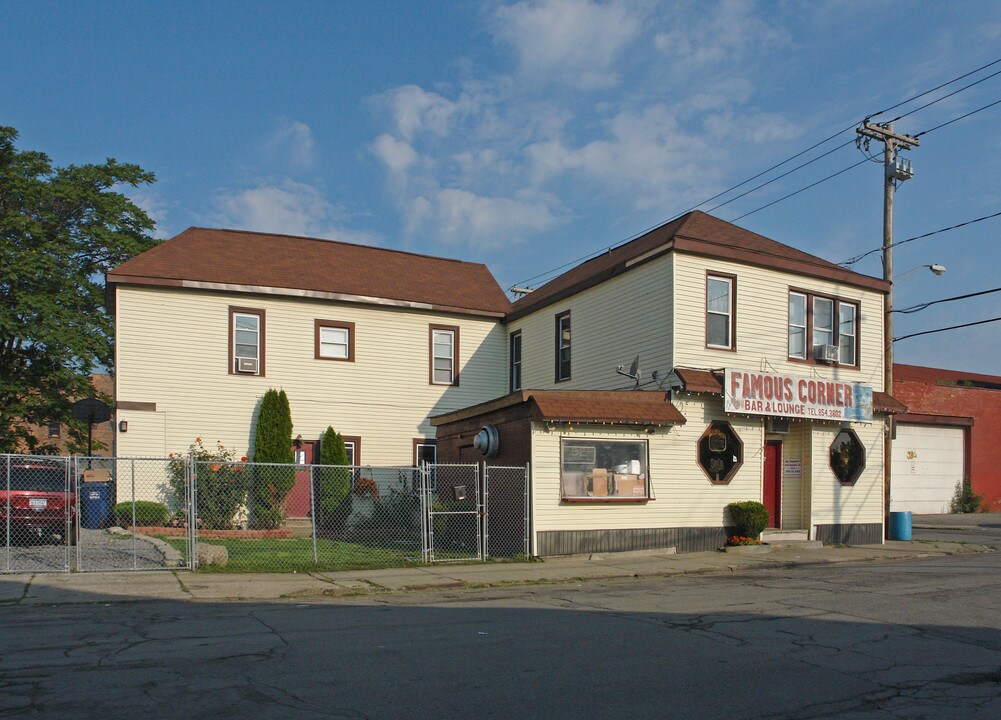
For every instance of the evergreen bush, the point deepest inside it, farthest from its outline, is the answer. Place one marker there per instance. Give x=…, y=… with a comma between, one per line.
x=749, y=518
x=964, y=500
x=334, y=484
x=147, y=513
x=272, y=444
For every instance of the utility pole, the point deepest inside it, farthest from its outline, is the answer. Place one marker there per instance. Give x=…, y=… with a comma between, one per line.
x=896, y=169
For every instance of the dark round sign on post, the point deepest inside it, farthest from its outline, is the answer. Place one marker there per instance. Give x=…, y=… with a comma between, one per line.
x=91, y=411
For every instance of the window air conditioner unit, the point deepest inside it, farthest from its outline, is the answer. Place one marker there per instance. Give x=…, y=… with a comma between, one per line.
x=826, y=353
x=778, y=425
x=246, y=365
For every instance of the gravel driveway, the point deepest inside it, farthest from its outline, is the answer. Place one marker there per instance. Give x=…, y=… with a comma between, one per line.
x=99, y=550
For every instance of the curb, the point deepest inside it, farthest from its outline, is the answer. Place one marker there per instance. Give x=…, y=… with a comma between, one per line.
x=171, y=556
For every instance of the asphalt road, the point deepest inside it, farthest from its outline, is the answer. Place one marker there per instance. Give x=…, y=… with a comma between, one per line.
x=915, y=639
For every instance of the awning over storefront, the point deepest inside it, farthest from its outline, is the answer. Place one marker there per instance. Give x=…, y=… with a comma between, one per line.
x=604, y=407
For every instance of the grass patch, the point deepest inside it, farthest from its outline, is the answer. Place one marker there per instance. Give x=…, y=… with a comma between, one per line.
x=286, y=555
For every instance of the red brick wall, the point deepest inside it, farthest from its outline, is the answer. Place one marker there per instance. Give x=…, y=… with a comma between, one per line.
x=939, y=392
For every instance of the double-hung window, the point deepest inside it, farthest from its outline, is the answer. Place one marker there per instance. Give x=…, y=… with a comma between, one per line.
x=514, y=360
x=563, y=346
x=246, y=341
x=334, y=340
x=720, y=296
x=816, y=321
x=444, y=353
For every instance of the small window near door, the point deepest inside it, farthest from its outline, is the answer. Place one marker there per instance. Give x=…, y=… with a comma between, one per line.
x=444, y=351
x=246, y=341
x=720, y=298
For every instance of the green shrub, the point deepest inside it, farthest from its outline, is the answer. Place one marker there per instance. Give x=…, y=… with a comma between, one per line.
x=147, y=513
x=334, y=484
x=272, y=444
x=964, y=500
x=749, y=518
x=222, y=485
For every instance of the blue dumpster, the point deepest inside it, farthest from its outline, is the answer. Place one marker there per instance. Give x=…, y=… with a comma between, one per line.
x=900, y=525
x=97, y=499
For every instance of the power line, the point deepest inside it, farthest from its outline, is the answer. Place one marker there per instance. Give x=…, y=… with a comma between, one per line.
x=802, y=189
x=852, y=261
x=789, y=159
x=945, y=97
x=951, y=327
x=961, y=117
x=922, y=306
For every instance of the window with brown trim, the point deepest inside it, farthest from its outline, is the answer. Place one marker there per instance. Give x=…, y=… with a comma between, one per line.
x=514, y=361
x=55, y=429
x=721, y=311
x=443, y=341
x=352, y=445
x=819, y=322
x=334, y=340
x=425, y=451
x=563, y=344
x=603, y=470
x=246, y=341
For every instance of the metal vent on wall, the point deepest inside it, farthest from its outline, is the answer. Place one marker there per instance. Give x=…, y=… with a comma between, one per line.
x=487, y=441
x=778, y=425
x=246, y=365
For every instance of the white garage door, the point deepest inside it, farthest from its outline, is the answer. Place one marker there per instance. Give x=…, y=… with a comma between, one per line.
x=927, y=464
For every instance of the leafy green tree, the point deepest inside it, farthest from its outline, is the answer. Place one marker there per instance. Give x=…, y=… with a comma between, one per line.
x=334, y=486
x=61, y=229
x=272, y=444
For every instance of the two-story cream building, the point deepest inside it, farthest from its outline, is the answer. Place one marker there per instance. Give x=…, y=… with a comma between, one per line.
x=771, y=359
x=759, y=373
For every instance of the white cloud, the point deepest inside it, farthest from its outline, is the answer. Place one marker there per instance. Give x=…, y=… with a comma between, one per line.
x=151, y=203
x=417, y=110
x=292, y=143
x=285, y=207
x=572, y=40
x=397, y=155
x=458, y=216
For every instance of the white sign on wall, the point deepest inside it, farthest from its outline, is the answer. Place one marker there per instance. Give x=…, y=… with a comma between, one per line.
x=757, y=393
x=792, y=467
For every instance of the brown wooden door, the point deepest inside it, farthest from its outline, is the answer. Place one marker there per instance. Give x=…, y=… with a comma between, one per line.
x=297, y=504
x=772, y=490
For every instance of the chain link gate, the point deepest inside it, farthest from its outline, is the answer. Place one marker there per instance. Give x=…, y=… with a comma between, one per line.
x=506, y=511
x=453, y=526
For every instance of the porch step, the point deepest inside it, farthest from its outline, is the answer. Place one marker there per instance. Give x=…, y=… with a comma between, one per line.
x=300, y=527
x=789, y=538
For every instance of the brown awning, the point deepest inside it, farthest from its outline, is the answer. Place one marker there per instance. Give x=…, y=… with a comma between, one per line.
x=887, y=404
x=706, y=381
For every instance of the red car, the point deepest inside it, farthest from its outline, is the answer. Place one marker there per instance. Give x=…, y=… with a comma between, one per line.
x=37, y=502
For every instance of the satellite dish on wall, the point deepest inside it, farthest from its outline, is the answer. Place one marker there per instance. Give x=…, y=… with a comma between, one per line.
x=487, y=441
x=634, y=371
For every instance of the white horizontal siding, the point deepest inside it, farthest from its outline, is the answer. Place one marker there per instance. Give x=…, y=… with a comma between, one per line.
x=684, y=495
x=173, y=350
x=762, y=320
x=611, y=324
x=834, y=503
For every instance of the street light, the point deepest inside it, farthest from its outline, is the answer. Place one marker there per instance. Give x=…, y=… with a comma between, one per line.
x=936, y=269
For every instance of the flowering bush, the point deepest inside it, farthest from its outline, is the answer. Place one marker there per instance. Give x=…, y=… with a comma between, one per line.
x=221, y=484
x=741, y=540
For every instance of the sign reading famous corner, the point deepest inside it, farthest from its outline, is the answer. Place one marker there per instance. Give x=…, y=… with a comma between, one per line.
x=756, y=393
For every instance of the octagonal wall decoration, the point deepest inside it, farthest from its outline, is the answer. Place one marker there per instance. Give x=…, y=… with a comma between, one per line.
x=847, y=456
x=721, y=452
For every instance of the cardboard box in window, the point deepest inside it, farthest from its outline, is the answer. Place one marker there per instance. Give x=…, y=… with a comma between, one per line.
x=599, y=482
x=629, y=485
x=96, y=475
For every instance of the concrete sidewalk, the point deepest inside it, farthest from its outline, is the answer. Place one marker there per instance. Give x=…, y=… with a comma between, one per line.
x=48, y=589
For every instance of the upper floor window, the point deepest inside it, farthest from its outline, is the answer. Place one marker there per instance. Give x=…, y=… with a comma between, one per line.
x=563, y=346
x=826, y=322
x=246, y=341
x=334, y=340
x=54, y=430
x=444, y=352
x=514, y=361
x=720, y=304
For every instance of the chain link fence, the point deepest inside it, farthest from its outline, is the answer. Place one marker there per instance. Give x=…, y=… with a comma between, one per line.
x=133, y=514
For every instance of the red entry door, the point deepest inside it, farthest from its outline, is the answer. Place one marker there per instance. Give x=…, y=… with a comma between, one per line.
x=297, y=503
x=772, y=491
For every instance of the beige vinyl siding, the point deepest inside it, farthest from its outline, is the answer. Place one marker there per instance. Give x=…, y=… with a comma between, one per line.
x=610, y=324
x=762, y=321
x=795, y=508
x=173, y=350
x=862, y=502
x=684, y=495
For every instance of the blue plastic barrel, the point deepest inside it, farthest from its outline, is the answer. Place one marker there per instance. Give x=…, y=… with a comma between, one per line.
x=900, y=525
x=96, y=504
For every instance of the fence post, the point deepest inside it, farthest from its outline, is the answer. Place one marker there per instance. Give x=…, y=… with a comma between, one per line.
x=528, y=510
x=312, y=509
x=192, y=498
x=67, y=485
x=486, y=511
x=74, y=512
x=480, y=512
x=7, y=514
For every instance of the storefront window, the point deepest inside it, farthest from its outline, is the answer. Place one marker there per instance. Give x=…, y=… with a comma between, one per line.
x=847, y=457
x=721, y=453
x=596, y=469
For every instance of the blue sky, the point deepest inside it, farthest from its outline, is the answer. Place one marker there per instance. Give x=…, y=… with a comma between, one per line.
x=525, y=135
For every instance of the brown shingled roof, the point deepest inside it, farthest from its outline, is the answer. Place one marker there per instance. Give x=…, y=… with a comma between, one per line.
x=698, y=233
x=200, y=256
x=644, y=408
